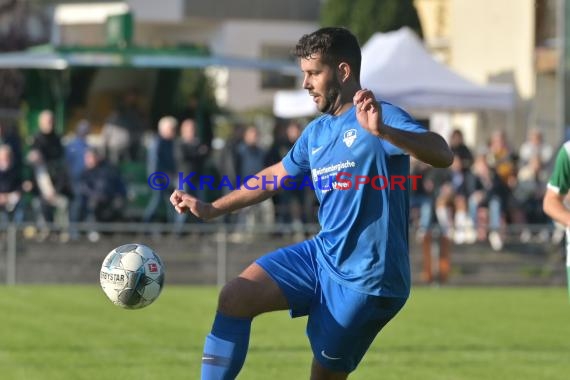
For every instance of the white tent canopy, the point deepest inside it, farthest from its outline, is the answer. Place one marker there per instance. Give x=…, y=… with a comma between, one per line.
x=398, y=68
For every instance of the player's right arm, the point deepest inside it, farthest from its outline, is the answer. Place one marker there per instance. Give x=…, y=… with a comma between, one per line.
x=265, y=184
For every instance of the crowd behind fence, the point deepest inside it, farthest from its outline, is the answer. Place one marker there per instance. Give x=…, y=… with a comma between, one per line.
x=48, y=179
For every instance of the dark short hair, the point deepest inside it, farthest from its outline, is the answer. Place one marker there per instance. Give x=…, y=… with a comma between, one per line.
x=334, y=44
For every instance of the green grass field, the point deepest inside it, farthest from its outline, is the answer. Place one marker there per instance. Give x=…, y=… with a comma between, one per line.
x=73, y=332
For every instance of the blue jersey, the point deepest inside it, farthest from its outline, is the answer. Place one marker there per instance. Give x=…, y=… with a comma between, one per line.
x=363, y=242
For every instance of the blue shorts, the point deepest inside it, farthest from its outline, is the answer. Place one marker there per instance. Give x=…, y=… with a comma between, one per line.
x=342, y=322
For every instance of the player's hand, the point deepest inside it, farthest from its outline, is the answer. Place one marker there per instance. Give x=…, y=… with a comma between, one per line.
x=176, y=201
x=184, y=202
x=368, y=112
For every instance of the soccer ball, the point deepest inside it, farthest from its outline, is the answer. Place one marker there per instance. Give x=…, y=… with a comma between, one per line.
x=132, y=276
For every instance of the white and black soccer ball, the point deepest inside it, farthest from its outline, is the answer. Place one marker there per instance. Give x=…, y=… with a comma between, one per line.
x=132, y=276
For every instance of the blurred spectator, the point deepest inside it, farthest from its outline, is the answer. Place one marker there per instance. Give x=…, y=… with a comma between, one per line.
x=451, y=205
x=420, y=199
x=288, y=204
x=249, y=155
x=75, y=159
x=531, y=187
x=228, y=160
x=10, y=187
x=501, y=158
x=47, y=142
x=534, y=156
x=9, y=135
x=488, y=203
x=102, y=190
x=504, y=161
x=123, y=131
x=190, y=155
x=436, y=183
x=534, y=146
x=75, y=150
x=51, y=182
x=461, y=150
x=161, y=159
x=227, y=165
x=250, y=159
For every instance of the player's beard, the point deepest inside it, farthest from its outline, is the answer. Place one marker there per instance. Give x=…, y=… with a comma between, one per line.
x=331, y=97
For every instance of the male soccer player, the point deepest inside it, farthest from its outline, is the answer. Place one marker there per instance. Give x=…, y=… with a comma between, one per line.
x=556, y=191
x=354, y=275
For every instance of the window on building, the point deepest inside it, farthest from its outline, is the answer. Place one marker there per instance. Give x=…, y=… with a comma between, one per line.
x=271, y=80
x=546, y=22
x=546, y=36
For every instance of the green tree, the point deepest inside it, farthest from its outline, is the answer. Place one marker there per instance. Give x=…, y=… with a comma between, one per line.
x=366, y=17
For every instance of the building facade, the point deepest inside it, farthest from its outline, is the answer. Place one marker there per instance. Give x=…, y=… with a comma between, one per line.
x=254, y=29
x=511, y=41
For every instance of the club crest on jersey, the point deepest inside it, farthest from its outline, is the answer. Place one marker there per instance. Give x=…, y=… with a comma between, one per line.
x=349, y=137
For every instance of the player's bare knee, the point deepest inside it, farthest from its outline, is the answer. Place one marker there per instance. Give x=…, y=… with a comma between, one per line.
x=318, y=372
x=231, y=300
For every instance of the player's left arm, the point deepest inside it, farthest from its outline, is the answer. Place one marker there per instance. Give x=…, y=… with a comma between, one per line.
x=427, y=146
x=557, y=189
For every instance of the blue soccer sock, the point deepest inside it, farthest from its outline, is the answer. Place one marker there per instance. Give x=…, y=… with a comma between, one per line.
x=225, y=348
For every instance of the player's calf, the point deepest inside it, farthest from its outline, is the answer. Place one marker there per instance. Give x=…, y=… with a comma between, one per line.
x=225, y=348
x=241, y=299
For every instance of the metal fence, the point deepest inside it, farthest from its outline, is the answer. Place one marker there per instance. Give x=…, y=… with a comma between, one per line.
x=211, y=253
x=198, y=254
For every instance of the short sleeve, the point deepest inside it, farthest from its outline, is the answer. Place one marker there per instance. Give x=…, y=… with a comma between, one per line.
x=397, y=118
x=560, y=178
x=296, y=161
